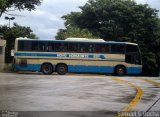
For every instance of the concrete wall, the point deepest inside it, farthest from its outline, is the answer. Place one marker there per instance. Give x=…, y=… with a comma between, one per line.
x=2, y=54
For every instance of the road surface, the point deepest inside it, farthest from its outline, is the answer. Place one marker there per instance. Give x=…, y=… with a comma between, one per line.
x=78, y=95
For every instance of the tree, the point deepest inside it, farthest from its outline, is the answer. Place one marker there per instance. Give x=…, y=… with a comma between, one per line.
x=2, y=3
x=122, y=20
x=115, y=19
x=74, y=32
x=10, y=34
x=11, y=5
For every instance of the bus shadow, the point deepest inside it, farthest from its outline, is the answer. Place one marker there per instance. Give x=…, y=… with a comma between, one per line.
x=78, y=74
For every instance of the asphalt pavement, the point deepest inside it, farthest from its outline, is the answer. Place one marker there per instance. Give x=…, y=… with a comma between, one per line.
x=78, y=95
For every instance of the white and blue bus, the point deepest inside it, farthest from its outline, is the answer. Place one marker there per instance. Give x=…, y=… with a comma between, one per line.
x=77, y=55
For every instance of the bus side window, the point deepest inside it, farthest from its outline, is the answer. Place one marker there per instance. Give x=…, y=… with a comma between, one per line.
x=50, y=47
x=34, y=46
x=82, y=47
x=97, y=48
x=86, y=47
x=61, y=47
x=42, y=46
x=107, y=48
x=73, y=47
x=21, y=46
x=91, y=48
x=28, y=46
x=117, y=48
x=101, y=48
x=24, y=45
x=57, y=45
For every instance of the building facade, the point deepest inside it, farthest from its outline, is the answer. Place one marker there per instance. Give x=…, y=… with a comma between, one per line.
x=2, y=53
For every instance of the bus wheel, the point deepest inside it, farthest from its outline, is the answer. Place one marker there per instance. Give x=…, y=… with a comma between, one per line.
x=47, y=69
x=61, y=69
x=120, y=71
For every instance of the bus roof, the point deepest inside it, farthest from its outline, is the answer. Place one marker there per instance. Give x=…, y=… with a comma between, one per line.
x=85, y=39
x=78, y=40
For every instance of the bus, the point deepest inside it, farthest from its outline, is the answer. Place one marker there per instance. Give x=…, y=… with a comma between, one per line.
x=77, y=55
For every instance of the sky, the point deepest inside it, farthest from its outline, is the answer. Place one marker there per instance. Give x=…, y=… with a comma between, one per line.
x=46, y=19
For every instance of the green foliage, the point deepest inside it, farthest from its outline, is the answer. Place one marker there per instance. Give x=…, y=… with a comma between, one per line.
x=61, y=35
x=2, y=3
x=22, y=31
x=115, y=19
x=71, y=19
x=10, y=34
x=150, y=65
x=122, y=20
x=74, y=32
x=5, y=5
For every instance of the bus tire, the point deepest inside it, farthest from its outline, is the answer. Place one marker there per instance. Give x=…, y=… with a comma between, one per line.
x=61, y=69
x=47, y=69
x=120, y=70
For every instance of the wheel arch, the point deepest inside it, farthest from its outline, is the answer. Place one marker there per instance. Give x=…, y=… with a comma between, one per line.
x=61, y=64
x=46, y=63
x=125, y=68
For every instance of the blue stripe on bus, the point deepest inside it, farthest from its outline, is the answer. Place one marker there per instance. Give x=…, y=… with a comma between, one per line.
x=81, y=68
x=61, y=55
x=28, y=67
x=134, y=70
x=35, y=54
x=91, y=69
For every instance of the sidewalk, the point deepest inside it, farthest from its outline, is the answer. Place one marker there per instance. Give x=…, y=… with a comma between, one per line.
x=156, y=106
x=154, y=110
